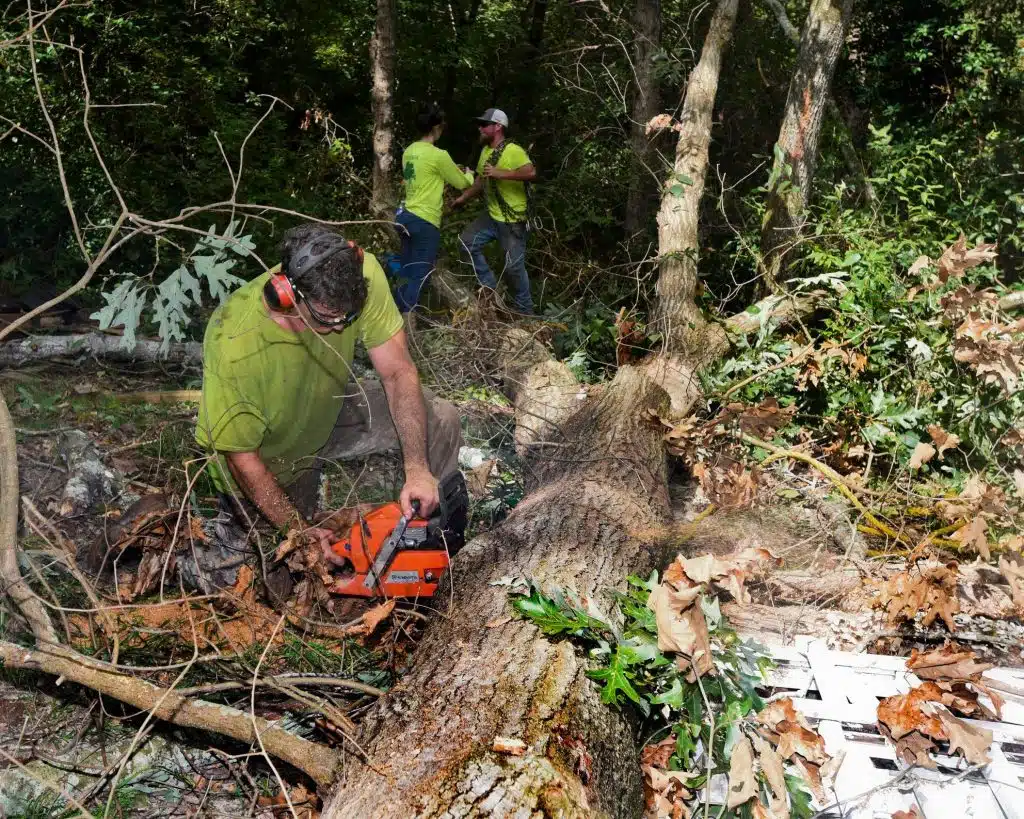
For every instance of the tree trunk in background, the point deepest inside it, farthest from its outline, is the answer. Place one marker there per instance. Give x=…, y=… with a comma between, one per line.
x=460, y=24
x=382, y=71
x=844, y=121
x=676, y=315
x=529, y=91
x=809, y=89
x=593, y=514
x=646, y=104
x=540, y=10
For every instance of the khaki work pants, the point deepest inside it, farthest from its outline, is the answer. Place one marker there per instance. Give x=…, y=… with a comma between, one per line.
x=364, y=427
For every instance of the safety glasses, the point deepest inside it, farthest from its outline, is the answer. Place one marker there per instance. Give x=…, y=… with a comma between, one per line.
x=334, y=322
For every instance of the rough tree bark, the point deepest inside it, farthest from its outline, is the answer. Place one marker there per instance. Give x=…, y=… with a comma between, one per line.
x=676, y=314
x=809, y=89
x=646, y=104
x=595, y=507
x=382, y=71
x=844, y=122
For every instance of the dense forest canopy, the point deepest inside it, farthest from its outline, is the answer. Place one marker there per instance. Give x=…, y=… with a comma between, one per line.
x=933, y=94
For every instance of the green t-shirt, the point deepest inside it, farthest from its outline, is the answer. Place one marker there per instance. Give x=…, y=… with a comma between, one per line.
x=279, y=392
x=426, y=168
x=514, y=193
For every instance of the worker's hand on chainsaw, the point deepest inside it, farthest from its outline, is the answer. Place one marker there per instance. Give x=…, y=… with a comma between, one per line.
x=420, y=485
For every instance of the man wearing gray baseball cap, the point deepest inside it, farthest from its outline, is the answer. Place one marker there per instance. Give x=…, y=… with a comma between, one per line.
x=504, y=172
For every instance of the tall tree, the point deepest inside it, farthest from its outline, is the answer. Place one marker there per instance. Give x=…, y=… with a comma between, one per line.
x=382, y=76
x=646, y=103
x=796, y=151
x=676, y=314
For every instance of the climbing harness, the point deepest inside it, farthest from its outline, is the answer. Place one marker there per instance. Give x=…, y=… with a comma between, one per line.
x=532, y=221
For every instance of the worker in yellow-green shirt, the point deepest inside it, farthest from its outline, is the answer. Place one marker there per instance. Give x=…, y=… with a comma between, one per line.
x=503, y=173
x=278, y=401
x=425, y=168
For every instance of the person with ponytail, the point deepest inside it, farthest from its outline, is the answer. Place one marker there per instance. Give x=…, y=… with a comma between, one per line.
x=425, y=170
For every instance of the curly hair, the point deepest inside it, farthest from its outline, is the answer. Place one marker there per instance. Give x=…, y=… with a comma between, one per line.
x=337, y=282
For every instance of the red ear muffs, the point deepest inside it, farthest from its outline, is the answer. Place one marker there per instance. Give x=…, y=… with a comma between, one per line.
x=279, y=293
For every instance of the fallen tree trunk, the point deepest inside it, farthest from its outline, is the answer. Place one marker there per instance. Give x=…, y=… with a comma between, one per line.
x=101, y=345
x=481, y=674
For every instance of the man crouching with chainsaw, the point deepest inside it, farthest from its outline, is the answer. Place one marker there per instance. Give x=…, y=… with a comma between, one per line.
x=278, y=399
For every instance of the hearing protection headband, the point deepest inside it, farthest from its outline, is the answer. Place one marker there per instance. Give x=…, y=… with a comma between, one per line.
x=282, y=292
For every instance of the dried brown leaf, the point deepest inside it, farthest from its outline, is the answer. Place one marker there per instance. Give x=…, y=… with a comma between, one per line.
x=907, y=814
x=958, y=258
x=905, y=713
x=1012, y=568
x=920, y=263
x=972, y=743
x=375, y=616
x=665, y=793
x=926, y=587
x=942, y=439
x=681, y=625
x=657, y=123
x=742, y=783
x=974, y=536
x=922, y=454
x=951, y=662
x=477, y=478
x=772, y=768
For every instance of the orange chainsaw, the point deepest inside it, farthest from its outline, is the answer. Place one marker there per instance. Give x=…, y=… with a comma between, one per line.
x=395, y=556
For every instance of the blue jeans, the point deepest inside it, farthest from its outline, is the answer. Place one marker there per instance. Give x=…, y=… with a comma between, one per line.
x=512, y=237
x=420, y=242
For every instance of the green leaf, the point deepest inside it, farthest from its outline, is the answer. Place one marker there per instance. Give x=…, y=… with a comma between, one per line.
x=676, y=189
x=617, y=679
x=673, y=697
x=682, y=177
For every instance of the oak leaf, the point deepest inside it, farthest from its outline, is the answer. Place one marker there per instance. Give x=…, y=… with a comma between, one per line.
x=951, y=662
x=927, y=587
x=973, y=743
x=1012, y=568
x=974, y=536
x=665, y=793
x=905, y=713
